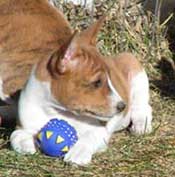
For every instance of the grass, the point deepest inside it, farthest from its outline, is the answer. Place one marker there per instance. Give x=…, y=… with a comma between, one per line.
x=126, y=29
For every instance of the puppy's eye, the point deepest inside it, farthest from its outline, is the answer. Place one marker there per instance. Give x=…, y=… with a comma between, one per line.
x=98, y=83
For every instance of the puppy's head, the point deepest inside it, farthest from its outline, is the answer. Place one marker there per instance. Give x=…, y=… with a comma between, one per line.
x=81, y=79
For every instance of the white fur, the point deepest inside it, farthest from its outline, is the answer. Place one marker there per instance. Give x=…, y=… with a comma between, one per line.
x=141, y=111
x=115, y=97
x=22, y=141
x=37, y=106
x=3, y=96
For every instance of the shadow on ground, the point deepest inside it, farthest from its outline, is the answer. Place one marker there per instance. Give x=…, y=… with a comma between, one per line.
x=166, y=85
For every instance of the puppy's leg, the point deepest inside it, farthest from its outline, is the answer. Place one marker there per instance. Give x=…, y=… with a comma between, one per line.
x=140, y=110
x=22, y=141
x=31, y=117
x=88, y=144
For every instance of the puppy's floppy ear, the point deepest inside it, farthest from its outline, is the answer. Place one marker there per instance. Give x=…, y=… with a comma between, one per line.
x=52, y=64
x=60, y=61
x=90, y=34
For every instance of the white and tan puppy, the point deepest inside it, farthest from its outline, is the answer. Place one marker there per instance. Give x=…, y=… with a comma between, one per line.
x=63, y=75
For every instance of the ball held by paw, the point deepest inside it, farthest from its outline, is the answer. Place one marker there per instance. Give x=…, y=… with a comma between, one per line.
x=56, y=138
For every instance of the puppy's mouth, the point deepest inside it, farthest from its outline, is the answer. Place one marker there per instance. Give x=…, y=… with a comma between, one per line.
x=86, y=112
x=93, y=115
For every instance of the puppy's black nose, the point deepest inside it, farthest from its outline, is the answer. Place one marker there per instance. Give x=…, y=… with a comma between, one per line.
x=121, y=106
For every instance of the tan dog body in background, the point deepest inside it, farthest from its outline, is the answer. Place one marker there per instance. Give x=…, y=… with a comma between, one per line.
x=69, y=79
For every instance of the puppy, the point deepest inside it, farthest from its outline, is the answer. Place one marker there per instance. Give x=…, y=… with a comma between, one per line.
x=63, y=75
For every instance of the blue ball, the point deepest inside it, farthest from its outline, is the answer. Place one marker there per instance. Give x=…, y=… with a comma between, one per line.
x=56, y=138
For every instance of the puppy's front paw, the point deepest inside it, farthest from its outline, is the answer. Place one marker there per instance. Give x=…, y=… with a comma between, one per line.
x=80, y=154
x=141, y=128
x=141, y=121
x=22, y=142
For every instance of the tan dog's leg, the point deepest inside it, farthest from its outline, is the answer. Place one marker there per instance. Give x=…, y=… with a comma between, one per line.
x=140, y=111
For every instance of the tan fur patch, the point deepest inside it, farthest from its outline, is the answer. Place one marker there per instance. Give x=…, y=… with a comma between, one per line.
x=29, y=31
x=123, y=67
